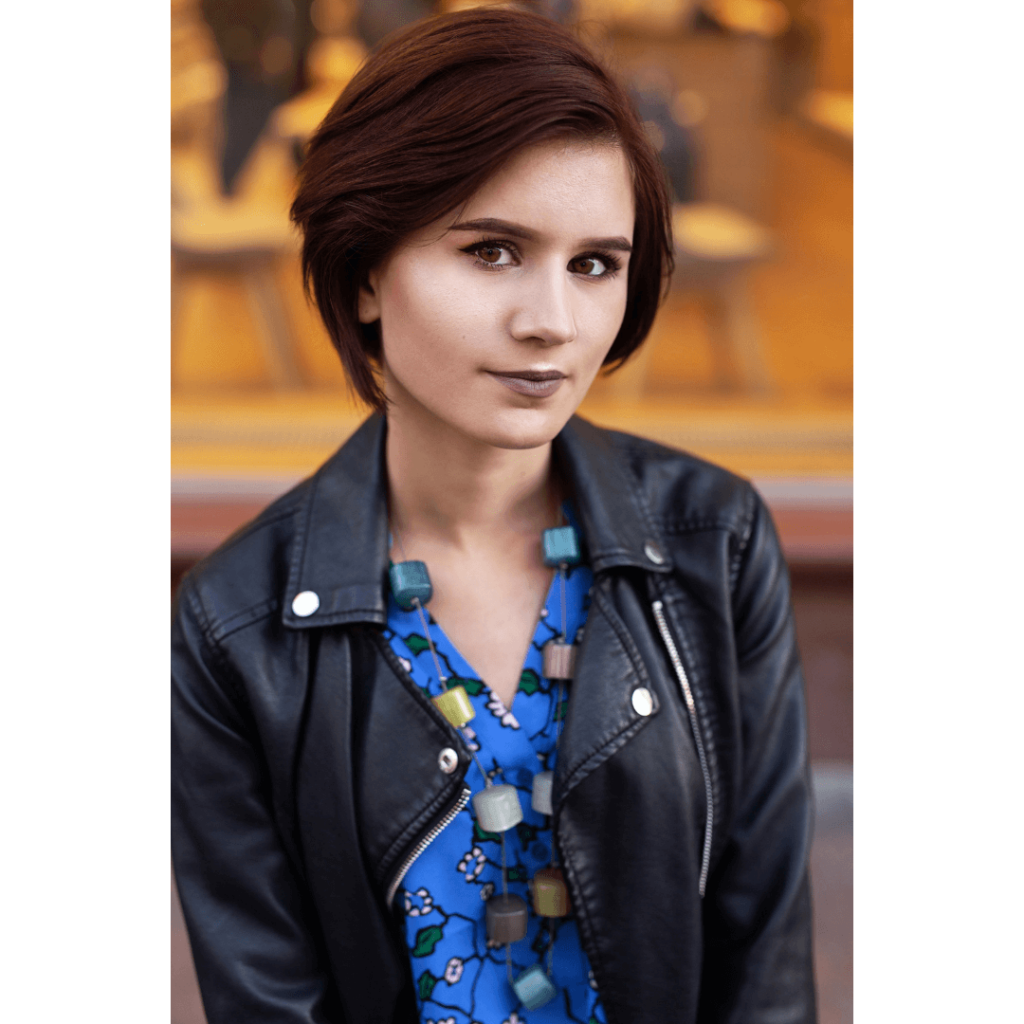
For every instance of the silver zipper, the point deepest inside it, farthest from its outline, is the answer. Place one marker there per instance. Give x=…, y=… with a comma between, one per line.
x=426, y=841
x=691, y=707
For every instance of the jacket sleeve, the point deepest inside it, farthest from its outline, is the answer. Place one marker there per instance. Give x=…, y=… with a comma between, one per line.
x=757, y=909
x=255, y=958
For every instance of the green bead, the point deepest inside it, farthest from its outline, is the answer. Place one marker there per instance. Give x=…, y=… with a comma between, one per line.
x=561, y=546
x=534, y=988
x=409, y=581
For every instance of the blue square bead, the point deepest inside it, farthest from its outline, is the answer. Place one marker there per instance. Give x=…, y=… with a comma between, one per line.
x=534, y=987
x=410, y=580
x=561, y=545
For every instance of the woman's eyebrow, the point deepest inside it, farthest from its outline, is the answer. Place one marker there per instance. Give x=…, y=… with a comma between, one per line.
x=505, y=227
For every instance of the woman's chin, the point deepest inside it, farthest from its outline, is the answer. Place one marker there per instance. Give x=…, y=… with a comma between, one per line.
x=519, y=428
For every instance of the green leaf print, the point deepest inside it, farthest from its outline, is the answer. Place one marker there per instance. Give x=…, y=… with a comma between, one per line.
x=474, y=687
x=560, y=710
x=426, y=985
x=517, y=873
x=416, y=643
x=527, y=833
x=427, y=939
x=529, y=682
x=480, y=836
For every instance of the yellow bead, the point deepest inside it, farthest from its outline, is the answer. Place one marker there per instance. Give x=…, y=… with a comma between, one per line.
x=455, y=705
x=550, y=895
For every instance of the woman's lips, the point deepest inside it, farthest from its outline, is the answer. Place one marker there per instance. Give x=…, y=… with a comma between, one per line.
x=534, y=383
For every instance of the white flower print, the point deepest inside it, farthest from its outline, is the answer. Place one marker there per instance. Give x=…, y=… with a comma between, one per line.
x=497, y=708
x=453, y=970
x=425, y=906
x=406, y=664
x=486, y=891
x=470, y=737
x=472, y=863
x=513, y=1018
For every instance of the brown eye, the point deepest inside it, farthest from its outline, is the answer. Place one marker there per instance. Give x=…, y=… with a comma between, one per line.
x=588, y=266
x=490, y=254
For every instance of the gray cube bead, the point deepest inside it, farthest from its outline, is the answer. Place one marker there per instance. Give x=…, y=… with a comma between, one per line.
x=541, y=797
x=497, y=808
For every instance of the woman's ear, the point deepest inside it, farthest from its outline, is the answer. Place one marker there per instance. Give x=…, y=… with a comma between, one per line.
x=369, y=302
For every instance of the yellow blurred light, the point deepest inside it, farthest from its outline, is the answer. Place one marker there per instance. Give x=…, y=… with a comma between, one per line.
x=689, y=108
x=652, y=15
x=762, y=17
x=831, y=110
x=335, y=61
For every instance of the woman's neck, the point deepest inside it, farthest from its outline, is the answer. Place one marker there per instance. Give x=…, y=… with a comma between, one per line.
x=449, y=489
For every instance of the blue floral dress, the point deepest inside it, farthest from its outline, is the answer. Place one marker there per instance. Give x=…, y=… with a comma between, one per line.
x=459, y=978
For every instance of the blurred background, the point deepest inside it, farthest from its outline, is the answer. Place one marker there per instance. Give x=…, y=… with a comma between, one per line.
x=750, y=363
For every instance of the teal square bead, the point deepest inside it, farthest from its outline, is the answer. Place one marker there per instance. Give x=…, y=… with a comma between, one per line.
x=410, y=580
x=534, y=987
x=561, y=546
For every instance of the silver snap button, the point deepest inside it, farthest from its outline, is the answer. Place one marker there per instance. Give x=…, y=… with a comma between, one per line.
x=305, y=603
x=653, y=552
x=643, y=702
x=448, y=760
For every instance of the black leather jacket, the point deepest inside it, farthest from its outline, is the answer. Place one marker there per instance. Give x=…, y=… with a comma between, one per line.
x=296, y=812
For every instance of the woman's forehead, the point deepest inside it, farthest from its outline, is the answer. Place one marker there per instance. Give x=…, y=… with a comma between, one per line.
x=581, y=189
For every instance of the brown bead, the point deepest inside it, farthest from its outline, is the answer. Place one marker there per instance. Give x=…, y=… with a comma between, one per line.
x=559, y=659
x=506, y=918
x=550, y=895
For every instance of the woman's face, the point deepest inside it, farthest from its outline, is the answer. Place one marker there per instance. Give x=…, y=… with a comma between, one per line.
x=495, y=320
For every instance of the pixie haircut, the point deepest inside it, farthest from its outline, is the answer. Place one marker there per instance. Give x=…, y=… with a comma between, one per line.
x=431, y=115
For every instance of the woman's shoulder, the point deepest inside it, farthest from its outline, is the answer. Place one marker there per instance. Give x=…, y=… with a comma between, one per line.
x=246, y=574
x=320, y=539
x=679, y=490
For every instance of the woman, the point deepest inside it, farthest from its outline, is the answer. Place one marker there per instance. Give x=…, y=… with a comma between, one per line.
x=499, y=717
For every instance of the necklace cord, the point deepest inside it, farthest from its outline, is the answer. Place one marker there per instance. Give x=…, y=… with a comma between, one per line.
x=443, y=680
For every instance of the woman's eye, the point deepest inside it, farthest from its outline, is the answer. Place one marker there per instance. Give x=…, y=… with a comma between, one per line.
x=589, y=266
x=495, y=255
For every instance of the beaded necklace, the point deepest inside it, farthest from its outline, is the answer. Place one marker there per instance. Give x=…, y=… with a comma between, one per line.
x=497, y=807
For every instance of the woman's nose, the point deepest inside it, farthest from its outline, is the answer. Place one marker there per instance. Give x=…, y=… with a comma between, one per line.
x=545, y=311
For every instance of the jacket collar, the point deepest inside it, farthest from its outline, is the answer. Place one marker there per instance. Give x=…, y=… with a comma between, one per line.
x=341, y=542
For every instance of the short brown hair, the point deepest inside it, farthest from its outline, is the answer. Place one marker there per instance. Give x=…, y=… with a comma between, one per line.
x=434, y=112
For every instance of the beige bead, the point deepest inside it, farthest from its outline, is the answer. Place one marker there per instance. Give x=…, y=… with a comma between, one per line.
x=559, y=659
